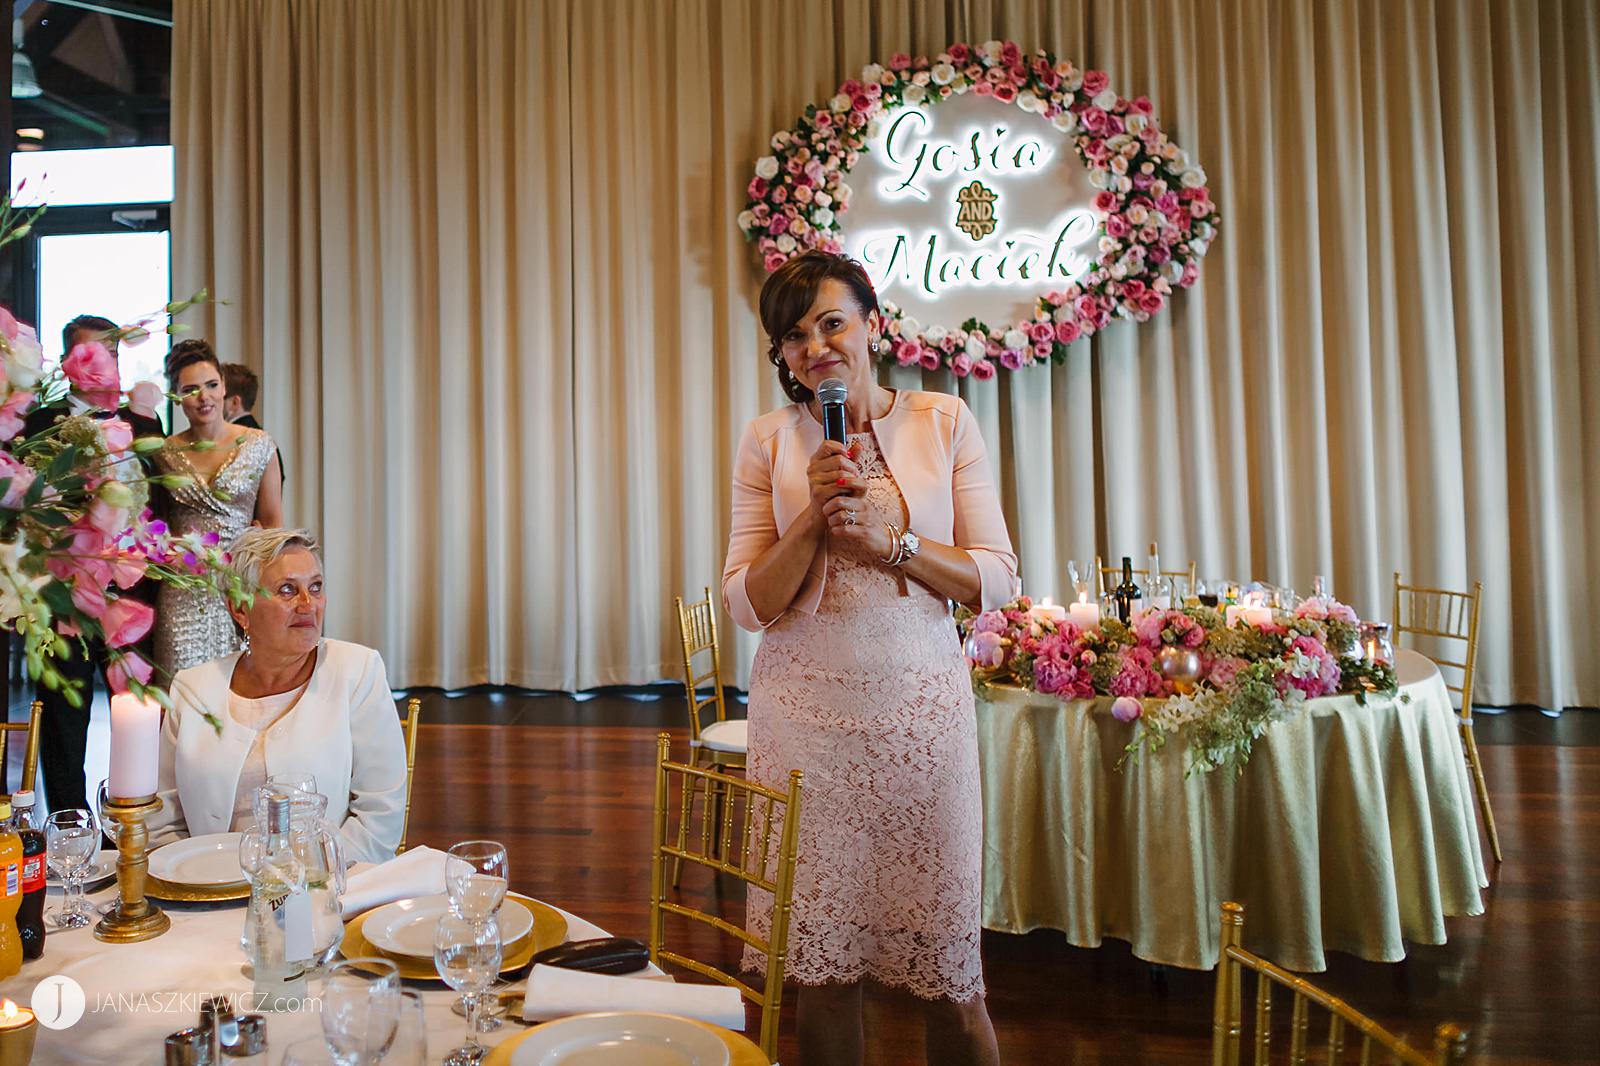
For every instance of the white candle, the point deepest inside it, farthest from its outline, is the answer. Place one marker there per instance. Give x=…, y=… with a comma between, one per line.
x=1084, y=615
x=1258, y=616
x=1044, y=610
x=135, y=746
x=1232, y=613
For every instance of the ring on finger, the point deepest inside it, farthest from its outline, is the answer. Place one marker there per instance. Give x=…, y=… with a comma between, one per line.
x=849, y=518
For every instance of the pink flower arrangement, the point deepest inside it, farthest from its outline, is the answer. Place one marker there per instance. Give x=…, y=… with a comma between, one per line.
x=1158, y=215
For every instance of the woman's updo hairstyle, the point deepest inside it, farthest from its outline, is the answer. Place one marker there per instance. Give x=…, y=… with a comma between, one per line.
x=789, y=293
x=187, y=353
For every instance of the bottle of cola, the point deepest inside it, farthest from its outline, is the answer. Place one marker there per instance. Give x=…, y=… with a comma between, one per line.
x=30, y=916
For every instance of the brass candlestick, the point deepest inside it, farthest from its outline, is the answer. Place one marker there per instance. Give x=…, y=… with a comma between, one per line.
x=134, y=917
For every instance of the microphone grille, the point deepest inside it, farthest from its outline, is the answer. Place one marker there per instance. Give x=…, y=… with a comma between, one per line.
x=833, y=390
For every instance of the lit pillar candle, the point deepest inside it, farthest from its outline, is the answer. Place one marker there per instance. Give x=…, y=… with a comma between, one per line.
x=1232, y=613
x=1045, y=611
x=135, y=746
x=1258, y=616
x=1084, y=615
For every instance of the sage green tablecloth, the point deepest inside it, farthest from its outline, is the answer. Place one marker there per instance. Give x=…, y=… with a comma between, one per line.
x=1351, y=829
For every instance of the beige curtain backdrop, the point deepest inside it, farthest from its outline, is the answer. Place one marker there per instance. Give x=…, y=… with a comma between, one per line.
x=483, y=255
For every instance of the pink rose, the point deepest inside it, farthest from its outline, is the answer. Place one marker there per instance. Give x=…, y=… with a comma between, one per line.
x=1006, y=93
x=1126, y=709
x=145, y=398
x=1041, y=331
x=1142, y=105
x=12, y=413
x=1191, y=273
x=850, y=87
x=107, y=519
x=959, y=54
x=18, y=478
x=774, y=261
x=1116, y=226
x=122, y=667
x=1151, y=302
x=899, y=61
x=908, y=353
x=118, y=434
x=92, y=369
x=1011, y=359
x=1094, y=120
x=990, y=622
x=1224, y=670
x=961, y=365
x=982, y=369
x=87, y=597
x=930, y=359
x=126, y=621
x=757, y=188
x=1010, y=53
x=1042, y=349
x=1094, y=81
x=1066, y=332
x=1086, y=306
x=1105, y=201
x=983, y=88
x=1132, y=289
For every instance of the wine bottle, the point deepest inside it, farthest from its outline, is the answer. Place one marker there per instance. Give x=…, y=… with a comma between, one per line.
x=1126, y=592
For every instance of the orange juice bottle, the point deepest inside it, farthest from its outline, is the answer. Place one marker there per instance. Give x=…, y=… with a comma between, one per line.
x=10, y=893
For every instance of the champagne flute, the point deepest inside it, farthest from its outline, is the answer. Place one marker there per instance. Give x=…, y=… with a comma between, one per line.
x=360, y=1010
x=467, y=954
x=71, y=840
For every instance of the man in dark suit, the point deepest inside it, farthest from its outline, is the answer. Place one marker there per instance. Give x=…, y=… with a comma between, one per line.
x=239, y=405
x=63, y=728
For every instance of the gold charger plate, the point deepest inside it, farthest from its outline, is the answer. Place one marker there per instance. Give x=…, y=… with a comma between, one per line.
x=173, y=892
x=549, y=930
x=742, y=1051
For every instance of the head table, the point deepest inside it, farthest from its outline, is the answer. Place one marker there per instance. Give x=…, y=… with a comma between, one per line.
x=138, y=993
x=1350, y=829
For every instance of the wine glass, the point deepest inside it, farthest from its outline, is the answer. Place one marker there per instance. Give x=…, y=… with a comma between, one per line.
x=467, y=954
x=360, y=1010
x=72, y=838
x=475, y=878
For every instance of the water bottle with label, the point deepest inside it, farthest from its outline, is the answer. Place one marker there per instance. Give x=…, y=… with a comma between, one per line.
x=278, y=925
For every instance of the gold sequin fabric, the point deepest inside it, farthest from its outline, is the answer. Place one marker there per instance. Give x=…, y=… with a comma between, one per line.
x=193, y=626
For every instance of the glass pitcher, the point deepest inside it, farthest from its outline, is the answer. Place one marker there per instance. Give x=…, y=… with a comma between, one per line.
x=316, y=843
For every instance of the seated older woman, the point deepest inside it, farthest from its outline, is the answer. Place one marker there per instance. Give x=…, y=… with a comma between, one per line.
x=290, y=702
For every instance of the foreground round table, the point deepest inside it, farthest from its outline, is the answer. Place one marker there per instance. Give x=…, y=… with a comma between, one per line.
x=1351, y=829
x=136, y=994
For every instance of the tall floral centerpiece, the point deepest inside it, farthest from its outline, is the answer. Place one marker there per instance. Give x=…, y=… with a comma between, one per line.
x=76, y=529
x=1249, y=675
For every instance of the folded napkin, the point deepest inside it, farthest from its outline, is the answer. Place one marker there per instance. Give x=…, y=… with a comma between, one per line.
x=417, y=872
x=555, y=993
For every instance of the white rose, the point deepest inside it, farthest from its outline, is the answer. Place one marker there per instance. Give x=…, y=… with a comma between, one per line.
x=840, y=103
x=1015, y=339
x=766, y=168
x=909, y=327
x=746, y=220
x=1204, y=231
x=822, y=199
x=842, y=193
x=943, y=73
x=1158, y=188
x=1172, y=271
x=1105, y=100
x=1134, y=123
x=786, y=243
x=1119, y=164
x=1028, y=101
x=1137, y=214
x=1066, y=121
x=24, y=359
x=822, y=216
x=1123, y=184
x=874, y=129
x=1063, y=313
x=780, y=140
x=915, y=94
x=936, y=334
x=1099, y=178
x=1109, y=244
x=1118, y=271
x=1197, y=248
x=961, y=87
x=1193, y=179
x=871, y=72
x=1181, y=158
x=992, y=50
x=976, y=349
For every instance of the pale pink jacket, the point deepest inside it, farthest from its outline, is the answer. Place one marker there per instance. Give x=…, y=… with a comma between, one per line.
x=932, y=446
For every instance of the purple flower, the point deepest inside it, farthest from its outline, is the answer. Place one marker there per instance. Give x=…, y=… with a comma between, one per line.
x=1126, y=709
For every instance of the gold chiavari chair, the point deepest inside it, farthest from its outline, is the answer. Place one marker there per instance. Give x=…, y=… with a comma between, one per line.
x=30, y=746
x=720, y=743
x=1227, y=1023
x=754, y=821
x=408, y=729
x=1446, y=616
x=1111, y=576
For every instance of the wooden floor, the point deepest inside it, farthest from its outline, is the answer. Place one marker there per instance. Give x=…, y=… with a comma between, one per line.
x=572, y=801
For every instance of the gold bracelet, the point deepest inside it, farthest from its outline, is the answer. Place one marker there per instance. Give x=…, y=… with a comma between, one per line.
x=894, y=539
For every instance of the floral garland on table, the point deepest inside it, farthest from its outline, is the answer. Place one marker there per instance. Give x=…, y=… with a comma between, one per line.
x=75, y=531
x=1250, y=676
x=1157, y=215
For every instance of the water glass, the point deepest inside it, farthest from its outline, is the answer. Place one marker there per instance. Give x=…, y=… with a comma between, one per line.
x=72, y=839
x=312, y=1051
x=410, y=1046
x=476, y=875
x=467, y=954
x=360, y=1010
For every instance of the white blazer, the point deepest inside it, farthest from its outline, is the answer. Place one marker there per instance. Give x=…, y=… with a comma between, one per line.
x=344, y=730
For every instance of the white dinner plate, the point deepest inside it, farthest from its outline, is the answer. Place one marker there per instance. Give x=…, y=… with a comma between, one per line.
x=199, y=861
x=620, y=1039
x=406, y=927
x=104, y=865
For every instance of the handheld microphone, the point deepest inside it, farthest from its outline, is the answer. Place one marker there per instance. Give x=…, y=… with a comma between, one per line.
x=831, y=394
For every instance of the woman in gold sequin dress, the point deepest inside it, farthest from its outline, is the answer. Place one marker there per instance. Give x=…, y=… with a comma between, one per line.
x=846, y=557
x=233, y=483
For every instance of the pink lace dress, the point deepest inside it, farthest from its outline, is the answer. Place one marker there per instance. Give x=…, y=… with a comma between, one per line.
x=870, y=697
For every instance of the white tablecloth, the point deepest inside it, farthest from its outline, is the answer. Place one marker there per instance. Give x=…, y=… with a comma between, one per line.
x=139, y=993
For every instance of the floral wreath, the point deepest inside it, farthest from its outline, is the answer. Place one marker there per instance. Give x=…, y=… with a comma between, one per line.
x=1156, y=215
